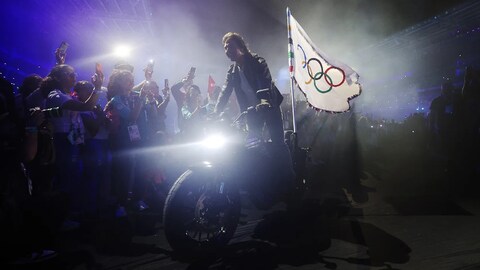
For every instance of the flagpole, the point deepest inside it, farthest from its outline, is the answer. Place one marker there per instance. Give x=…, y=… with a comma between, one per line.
x=291, y=69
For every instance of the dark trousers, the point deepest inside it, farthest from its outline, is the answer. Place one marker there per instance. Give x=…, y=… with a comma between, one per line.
x=272, y=118
x=121, y=174
x=68, y=168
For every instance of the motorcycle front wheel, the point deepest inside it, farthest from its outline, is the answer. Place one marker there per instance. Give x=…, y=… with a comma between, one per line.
x=201, y=213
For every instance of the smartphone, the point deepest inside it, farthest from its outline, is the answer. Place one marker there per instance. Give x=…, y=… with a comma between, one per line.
x=98, y=68
x=192, y=71
x=166, y=83
x=62, y=49
x=150, y=65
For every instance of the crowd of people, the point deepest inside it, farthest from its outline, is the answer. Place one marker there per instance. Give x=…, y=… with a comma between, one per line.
x=74, y=150
x=454, y=125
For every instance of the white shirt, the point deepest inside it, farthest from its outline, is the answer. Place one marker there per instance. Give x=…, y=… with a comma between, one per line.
x=252, y=99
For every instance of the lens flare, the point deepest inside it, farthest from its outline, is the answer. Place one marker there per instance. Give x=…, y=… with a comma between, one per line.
x=214, y=141
x=122, y=51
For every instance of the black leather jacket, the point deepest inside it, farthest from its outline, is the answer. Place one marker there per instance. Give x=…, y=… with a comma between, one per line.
x=258, y=75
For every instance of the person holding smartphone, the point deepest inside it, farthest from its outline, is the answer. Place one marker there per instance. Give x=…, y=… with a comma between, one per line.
x=153, y=133
x=179, y=93
x=193, y=114
x=123, y=113
x=61, y=53
x=155, y=107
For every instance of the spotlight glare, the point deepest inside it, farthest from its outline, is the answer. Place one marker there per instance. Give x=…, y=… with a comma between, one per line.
x=214, y=141
x=207, y=164
x=122, y=51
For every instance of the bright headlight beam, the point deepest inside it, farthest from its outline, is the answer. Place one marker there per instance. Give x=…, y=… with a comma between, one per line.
x=214, y=141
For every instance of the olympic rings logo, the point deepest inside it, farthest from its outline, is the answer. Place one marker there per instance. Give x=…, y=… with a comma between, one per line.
x=320, y=74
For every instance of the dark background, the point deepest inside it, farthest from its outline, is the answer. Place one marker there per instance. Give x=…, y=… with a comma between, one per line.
x=403, y=50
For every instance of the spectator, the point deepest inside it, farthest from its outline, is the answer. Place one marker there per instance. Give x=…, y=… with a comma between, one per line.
x=122, y=113
x=179, y=93
x=29, y=84
x=94, y=153
x=193, y=114
x=441, y=115
x=27, y=223
x=148, y=163
x=68, y=128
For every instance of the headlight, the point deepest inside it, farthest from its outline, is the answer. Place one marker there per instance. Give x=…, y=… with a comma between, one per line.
x=214, y=141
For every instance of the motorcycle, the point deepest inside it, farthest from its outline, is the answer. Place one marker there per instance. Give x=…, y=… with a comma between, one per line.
x=202, y=209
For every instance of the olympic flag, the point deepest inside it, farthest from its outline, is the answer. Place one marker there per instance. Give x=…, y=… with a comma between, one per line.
x=327, y=84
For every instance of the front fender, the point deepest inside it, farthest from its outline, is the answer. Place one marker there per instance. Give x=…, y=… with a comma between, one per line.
x=217, y=171
x=205, y=167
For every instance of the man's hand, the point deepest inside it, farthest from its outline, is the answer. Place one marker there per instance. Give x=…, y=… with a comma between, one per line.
x=148, y=74
x=97, y=80
x=214, y=116
x=144, y=92
x=166, y=92
x=99, y=112
x=187, y=81
x=263, y=105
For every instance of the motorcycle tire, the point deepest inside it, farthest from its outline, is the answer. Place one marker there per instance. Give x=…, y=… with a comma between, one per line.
x=201, y=213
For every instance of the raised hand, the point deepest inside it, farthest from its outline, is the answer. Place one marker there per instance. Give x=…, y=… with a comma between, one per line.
x=166, y=92
x=60, y=56
x=148, y=74
x=97, y=80
x=263, y=105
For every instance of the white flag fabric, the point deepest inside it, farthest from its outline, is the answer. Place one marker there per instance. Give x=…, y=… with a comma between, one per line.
x=327, y=84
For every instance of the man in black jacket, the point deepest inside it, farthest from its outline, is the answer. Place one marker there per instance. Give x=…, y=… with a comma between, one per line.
x=248, y=74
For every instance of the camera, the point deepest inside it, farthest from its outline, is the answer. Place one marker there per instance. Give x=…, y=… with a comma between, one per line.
x=191, y=73
x=53, y=112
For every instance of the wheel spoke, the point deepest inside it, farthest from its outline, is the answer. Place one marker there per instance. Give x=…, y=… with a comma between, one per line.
x=189, y=223
x=206, y=213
